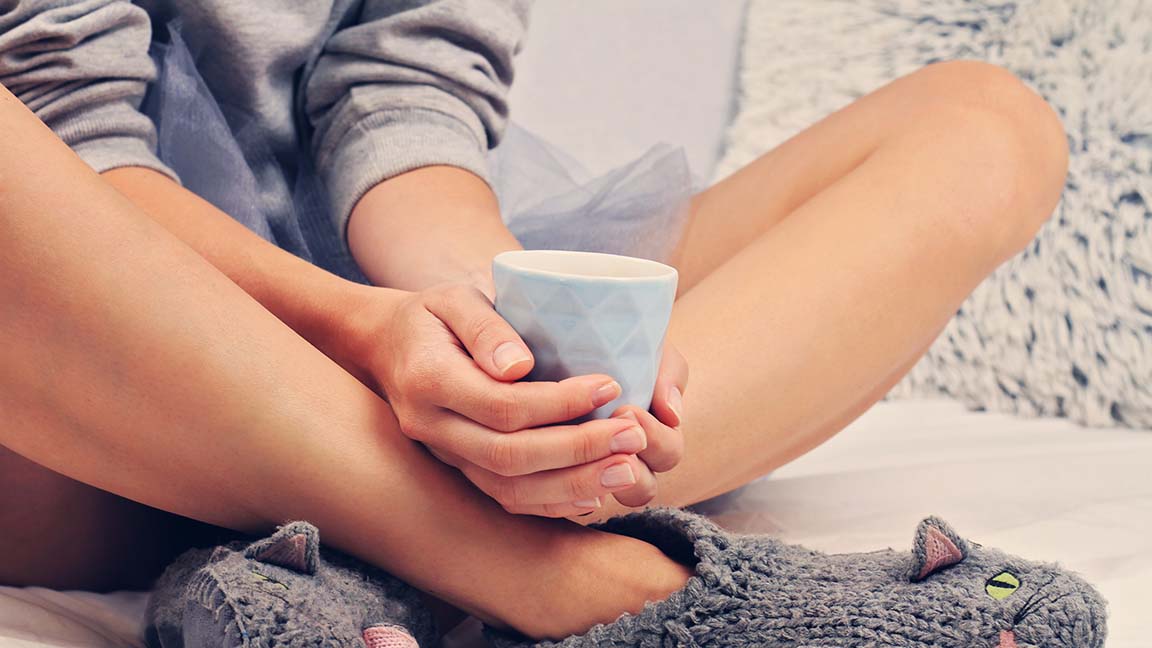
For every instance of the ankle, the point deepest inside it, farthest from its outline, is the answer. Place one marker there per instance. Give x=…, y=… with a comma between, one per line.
x=595, y=579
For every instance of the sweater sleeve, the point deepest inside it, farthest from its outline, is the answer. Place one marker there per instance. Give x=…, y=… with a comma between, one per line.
x=82, y=67
x=411, y=84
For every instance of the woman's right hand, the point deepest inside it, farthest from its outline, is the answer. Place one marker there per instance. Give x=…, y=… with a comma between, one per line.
x=448, y=364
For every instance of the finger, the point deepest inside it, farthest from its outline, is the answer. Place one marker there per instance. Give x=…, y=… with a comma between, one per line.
x=566, y=485
x=665, y=449
x=642, y=493
x=536, y=450
x=491, y=341
x=566, y=510
x=672, y=379
x=509, y=407
x=445, y=457
x=573, y=509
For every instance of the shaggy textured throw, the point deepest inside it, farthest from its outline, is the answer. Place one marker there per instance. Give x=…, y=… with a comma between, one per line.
x=1065, y=328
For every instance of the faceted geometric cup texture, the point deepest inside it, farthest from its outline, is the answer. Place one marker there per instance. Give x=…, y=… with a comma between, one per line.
x=586, y=312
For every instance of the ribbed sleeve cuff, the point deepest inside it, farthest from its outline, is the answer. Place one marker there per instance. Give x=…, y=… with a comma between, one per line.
x=107, y=153
x=385, y=144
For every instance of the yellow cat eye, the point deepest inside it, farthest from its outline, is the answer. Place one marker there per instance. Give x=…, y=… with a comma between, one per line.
x=1002, y=585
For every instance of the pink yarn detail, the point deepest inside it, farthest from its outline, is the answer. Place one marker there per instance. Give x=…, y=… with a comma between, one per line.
x=939, y=551
x=389, y=636
x=1007, y=639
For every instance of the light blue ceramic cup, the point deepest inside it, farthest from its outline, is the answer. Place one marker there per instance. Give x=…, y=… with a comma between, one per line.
x=584, y=312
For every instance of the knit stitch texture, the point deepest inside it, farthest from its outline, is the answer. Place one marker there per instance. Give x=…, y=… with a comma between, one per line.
x=283, y=591
x=757, y=591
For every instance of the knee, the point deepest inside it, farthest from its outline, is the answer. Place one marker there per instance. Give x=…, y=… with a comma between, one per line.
x=1012, y=144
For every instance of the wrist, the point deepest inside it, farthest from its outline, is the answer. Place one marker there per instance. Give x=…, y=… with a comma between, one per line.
x=428, y=226
x=351, y=325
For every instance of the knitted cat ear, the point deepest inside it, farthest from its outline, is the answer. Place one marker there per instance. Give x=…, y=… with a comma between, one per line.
x=295, y=546
x=936, y=547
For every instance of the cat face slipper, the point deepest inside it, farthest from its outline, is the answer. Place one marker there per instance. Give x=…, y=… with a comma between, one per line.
x=283, y=591
x=755, y=591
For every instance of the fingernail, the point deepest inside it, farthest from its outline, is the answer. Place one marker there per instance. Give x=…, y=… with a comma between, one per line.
x=605, y=393
x=588, y=503
x=509, y=355
x=616, y=476
x=628, y=441
x=676, y=403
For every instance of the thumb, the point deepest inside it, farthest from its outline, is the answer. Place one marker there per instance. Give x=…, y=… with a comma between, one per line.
x=492, y=342
x=667, y=398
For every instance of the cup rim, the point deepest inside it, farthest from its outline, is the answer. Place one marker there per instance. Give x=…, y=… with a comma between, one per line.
x=522, y=261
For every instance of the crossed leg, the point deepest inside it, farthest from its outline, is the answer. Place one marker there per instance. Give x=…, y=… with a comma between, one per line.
x=815, y=277
x=812, y=279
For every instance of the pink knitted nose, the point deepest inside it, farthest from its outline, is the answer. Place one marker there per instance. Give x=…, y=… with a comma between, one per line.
x=389, y=636
x=1007, y=639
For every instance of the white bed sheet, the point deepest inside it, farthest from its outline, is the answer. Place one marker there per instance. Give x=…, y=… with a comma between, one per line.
x=1045, y=489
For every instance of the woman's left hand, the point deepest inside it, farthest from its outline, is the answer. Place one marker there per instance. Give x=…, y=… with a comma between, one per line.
x=661, y=424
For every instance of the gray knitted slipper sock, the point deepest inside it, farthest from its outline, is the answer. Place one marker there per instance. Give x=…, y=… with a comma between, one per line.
x=283, y=590
x=756, y=591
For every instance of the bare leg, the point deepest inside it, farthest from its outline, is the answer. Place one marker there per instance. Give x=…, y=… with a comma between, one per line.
x=814, y=278
x=131, y=365
x=64, y=534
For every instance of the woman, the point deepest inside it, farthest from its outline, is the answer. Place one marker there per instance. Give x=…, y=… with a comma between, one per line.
x=158, y=356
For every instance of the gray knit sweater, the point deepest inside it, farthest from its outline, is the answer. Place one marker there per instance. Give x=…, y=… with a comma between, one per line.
x=373, y=88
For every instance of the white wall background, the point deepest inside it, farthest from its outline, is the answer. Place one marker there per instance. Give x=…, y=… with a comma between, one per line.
x=606, y=79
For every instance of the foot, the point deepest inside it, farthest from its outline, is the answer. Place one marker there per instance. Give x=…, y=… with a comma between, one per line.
x=283, y=591
x=592, y=579
x=756, y=591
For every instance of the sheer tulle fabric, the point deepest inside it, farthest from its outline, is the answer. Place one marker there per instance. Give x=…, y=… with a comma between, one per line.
x=548, y=200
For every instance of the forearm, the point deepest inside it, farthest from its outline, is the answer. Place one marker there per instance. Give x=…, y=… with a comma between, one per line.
x=313, y=302
x=428, y=226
